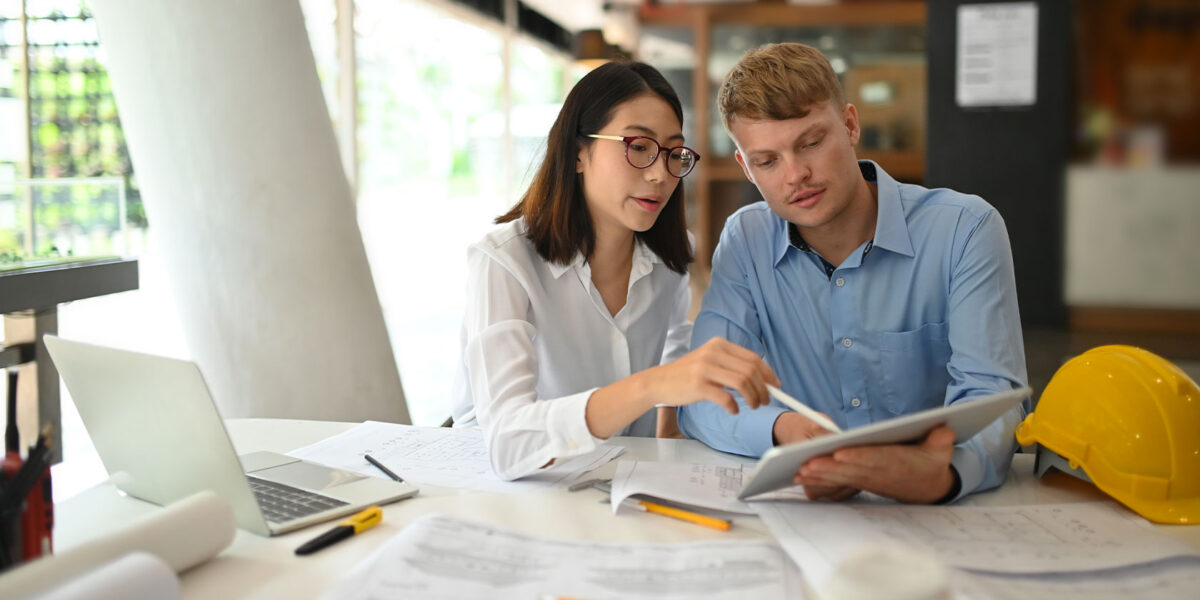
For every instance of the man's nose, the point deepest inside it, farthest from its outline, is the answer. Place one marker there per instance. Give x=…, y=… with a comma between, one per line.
x=798, y=171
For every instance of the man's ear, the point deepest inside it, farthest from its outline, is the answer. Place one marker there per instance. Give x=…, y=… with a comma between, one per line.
x=850, y=120
x=737, y=154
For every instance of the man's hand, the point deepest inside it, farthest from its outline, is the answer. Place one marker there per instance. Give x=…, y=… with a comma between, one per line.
x=794, y=427
x=914, y=474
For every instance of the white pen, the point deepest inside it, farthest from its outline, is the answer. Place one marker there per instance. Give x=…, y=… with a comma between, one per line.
x=799, y=407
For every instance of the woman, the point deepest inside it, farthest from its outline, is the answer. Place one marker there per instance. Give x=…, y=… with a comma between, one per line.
x=576, y=321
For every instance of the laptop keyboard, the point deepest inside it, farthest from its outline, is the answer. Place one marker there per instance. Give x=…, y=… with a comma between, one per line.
x=282, y=503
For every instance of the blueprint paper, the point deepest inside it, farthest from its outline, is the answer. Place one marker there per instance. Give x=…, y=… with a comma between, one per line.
x=1171, y=579
x=439, y=456
x=438, y=557
x=701, y=485
x=1048, y=538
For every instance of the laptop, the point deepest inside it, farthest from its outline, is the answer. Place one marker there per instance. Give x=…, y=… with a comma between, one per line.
x=161, y=439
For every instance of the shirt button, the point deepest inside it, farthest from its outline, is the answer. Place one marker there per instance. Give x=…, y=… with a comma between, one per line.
x=856, y=403
x=846, y=342
x=840, y=281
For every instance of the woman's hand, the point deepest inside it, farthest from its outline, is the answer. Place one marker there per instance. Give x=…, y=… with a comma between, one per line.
x=668, y=424
x=704, y=373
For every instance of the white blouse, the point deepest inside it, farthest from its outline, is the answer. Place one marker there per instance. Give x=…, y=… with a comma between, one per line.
x=537, y=340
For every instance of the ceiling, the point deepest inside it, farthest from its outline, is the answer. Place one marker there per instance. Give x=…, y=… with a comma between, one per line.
x=572, y=15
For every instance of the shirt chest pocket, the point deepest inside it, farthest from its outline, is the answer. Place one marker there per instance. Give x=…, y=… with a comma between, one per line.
x=913, y=365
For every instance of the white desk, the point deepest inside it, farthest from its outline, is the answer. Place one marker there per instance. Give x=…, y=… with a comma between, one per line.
x=258, y=567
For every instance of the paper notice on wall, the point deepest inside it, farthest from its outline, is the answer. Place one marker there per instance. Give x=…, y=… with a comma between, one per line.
x=997, y=54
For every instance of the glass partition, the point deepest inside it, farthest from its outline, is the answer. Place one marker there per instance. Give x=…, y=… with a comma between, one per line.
x=50, y=221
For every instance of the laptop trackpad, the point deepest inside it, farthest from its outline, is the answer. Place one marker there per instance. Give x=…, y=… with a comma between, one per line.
x=307, y=475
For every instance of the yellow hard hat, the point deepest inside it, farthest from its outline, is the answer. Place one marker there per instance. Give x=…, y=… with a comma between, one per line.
x=1131, y=420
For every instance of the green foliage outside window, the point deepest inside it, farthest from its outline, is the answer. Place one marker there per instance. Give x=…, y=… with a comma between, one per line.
x=75, y=130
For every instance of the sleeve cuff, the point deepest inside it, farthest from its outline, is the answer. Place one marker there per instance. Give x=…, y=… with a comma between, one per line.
x=567, y=426
x=757, y=428
x=566, y=436
x=955, y=488
x=969, y=470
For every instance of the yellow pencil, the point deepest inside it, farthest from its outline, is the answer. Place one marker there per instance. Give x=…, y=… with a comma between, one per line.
x=682, y=515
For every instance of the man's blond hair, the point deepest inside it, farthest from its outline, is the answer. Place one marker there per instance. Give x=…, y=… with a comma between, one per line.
x=777, y=82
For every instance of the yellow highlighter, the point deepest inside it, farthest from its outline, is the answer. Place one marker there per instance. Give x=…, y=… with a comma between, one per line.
x=678, y=513
x=368, y=518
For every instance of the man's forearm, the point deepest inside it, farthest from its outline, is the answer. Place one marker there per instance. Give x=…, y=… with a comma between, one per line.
x=748, y=433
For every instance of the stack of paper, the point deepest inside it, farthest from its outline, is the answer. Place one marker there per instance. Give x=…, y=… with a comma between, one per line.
x=442, y=558
x=439, y=456
x=693, y=484
x=1170, y=579
x=1006, y=546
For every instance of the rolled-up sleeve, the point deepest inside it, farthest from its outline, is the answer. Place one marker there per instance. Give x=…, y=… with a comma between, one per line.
x=728, y=311
x=523, y=433
x=987, y=348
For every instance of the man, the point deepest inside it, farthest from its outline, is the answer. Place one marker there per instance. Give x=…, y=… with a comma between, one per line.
x=870, y=298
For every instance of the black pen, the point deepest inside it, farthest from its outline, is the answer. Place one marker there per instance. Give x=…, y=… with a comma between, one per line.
x=386, y=471
x=368, y=518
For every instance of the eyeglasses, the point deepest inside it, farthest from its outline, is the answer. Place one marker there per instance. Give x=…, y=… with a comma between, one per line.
x=641, y=152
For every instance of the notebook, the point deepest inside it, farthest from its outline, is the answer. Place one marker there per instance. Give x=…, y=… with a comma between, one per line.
x=160, y=437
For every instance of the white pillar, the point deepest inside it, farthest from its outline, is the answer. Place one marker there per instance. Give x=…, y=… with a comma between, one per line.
x=348, y=91
x=239, y=170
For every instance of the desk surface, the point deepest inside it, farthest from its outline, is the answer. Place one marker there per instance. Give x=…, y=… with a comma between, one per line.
x=267, y=568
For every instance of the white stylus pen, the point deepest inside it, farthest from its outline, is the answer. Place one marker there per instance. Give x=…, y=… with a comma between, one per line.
x=799, y=407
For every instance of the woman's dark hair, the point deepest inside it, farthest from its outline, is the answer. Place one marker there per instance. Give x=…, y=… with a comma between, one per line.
x=555, y=212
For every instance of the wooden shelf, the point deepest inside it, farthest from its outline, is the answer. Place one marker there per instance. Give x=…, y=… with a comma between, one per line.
x=786, y=15
x=716, y=178
x=904, y=166
x=724, y=168
x=1125, y=320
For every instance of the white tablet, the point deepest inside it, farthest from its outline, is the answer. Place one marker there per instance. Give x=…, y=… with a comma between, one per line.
x=966, y=417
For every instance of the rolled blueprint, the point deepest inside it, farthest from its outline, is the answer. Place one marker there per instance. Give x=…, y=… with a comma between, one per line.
x=135, y=576
x=182, y=535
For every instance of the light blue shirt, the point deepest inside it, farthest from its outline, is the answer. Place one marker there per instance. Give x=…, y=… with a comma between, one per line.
x=923, y=315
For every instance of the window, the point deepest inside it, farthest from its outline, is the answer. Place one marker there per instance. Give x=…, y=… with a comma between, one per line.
x=439, y=159
x=444, y=145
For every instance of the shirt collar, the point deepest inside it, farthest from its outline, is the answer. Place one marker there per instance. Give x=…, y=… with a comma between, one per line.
x=891, y=230
x=783, y=238
x=644, y=260
x=557, y=269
